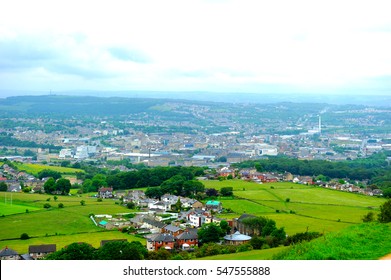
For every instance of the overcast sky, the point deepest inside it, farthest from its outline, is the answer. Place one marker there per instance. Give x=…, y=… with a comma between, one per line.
x=177, y=45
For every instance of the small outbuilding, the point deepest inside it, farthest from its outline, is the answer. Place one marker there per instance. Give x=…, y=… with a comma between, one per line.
x=237, y=238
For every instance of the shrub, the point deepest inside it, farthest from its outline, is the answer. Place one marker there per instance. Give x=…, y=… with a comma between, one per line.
x=287, y=200
x=47, y=205
x=60, y=205
x=24, y=236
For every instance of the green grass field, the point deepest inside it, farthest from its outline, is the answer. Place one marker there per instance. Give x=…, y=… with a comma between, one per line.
x=367, y=241
x=266, y=254
x=62, y=225
x=315, y=208
x=36, y=168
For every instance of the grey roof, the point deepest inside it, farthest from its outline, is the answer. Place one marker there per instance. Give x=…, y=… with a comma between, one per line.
x=172, y=228
x=237, y=236
x=163, y=237
x=26, y=257
x=188, y=235
x=154, y=223
x=44, y=248
x=6, y=252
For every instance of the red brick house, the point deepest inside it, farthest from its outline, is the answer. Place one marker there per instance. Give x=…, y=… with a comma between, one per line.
x=158, y=241
x=188, y=239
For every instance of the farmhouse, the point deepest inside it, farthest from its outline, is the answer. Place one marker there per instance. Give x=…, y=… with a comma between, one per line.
x=105, y=193
x=40, y=251
x=9, y=254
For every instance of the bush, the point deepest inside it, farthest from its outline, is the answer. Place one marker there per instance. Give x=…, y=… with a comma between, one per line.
x=244, y=248
x=47, y=205
x=60, y=205
x=287, y=200
x=385, y=212
x=370, y=217
x=24, y=236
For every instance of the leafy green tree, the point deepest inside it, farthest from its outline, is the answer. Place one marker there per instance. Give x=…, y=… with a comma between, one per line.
x=3, y=187
x=154, y=192
x=63, y=185
x=226, y=191
x=257, y=242
x=98, y=181
x=65, y=163
x=130, y=205
x=122, y=250
x=225, y=226
x=74, y=251
x=210, y=233
x=50, y=185
x=192, y=187
x=385, y=212
x=49, y=173
x=211, y=192
x=24, y=236
x=87, y=186
x=82, y=203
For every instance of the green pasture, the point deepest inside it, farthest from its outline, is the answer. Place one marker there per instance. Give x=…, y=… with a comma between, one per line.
x=93, y=238
x=10, y=209
x=34, y=169
x=266, y=254
x=73, y=218
x=319, y=209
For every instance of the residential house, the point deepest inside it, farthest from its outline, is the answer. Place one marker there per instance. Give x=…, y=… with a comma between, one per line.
x=160, y=205
x=197, y=218
x=162, y=240
x=197, y=205
x=105, y=192
x=225, y=172
x=212, y=219
x=40, y=251
x=214, y=205
x=9, y=254
x=173, y=230
x=187, y=239
x=153, y=225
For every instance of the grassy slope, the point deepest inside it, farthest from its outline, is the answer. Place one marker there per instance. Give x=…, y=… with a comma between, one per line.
x=359, y=242
x=317, y=208
x=61, y=226
x=266, y=254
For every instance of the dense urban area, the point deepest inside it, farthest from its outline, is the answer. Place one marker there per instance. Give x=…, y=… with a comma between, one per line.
x=168, y=163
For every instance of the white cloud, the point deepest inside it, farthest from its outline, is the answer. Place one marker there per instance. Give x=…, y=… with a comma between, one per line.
x=196, y=45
